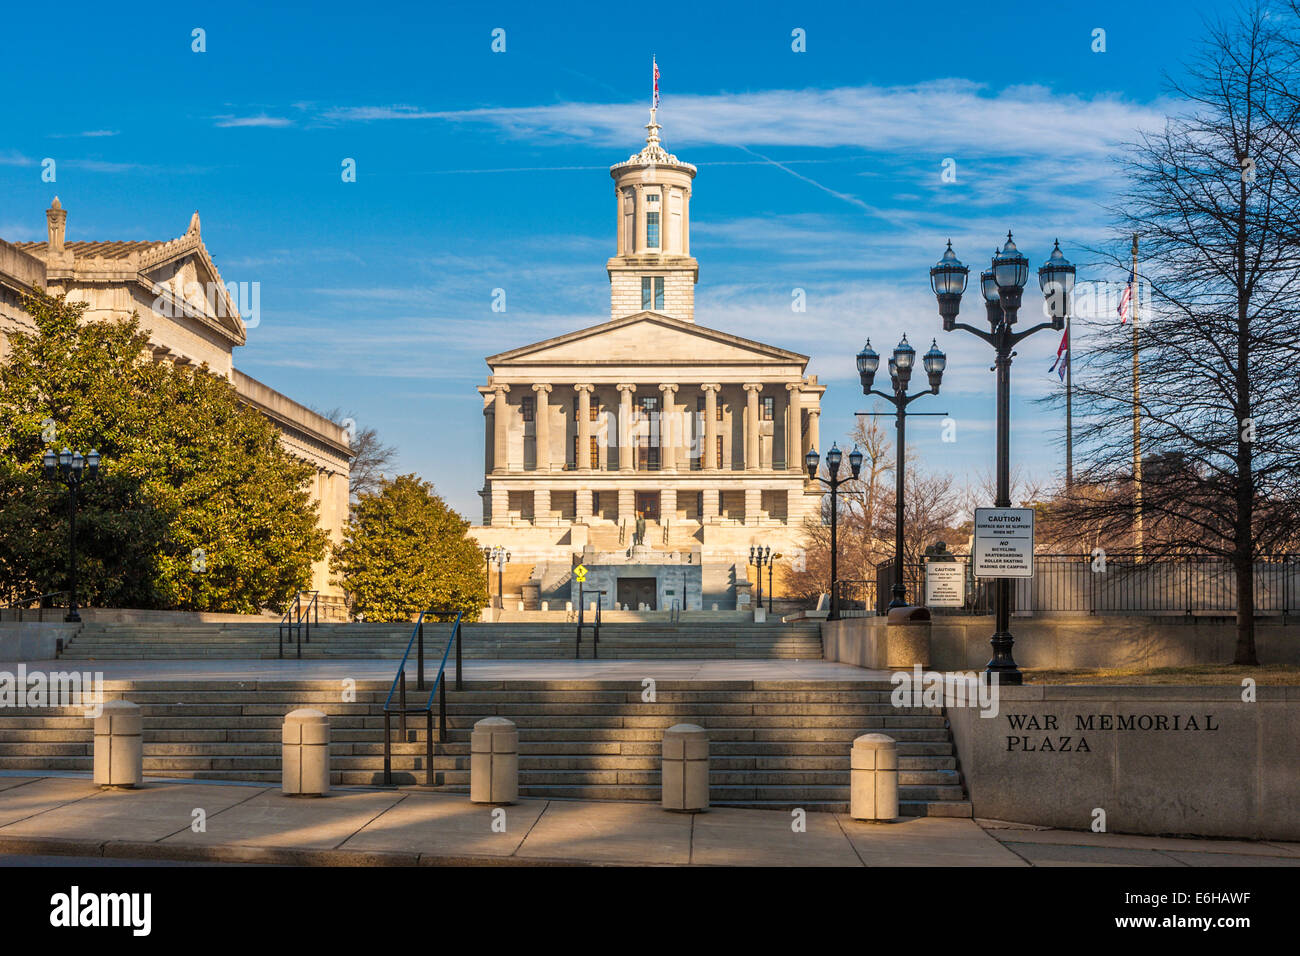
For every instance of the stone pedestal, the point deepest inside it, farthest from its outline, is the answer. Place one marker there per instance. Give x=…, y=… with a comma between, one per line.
x=907, y=638
x=873, y=784
x=119, y=750
x=685, y=773
x=494, y=761
x=305, y=753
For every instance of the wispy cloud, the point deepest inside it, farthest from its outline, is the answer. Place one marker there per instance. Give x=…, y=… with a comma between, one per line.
x=90, y=133
x=259, y=120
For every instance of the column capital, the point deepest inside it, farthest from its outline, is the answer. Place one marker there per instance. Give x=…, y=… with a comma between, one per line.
x=625, y=387
x=584, y=388
x=753, y=386
x=711, y=387
x=542, y=387
x=794, y=386
x=813, y=412
x=499, y=387
x=669, y=387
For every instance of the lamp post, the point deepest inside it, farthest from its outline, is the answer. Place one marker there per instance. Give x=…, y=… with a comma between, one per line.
x=756, y=558
x=1002, y=285
x=833, y=459
x=776, y=557
x=502, y=557
x=900, y=373
x=71, y=469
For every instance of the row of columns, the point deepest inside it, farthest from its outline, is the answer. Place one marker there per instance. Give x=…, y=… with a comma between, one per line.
x=671, y=442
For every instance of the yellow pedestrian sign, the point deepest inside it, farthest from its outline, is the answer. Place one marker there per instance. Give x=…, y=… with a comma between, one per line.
x=580, y=572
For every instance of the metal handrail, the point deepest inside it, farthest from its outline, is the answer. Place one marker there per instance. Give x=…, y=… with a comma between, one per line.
x=296, y=618
x=20, y=605
x=439, y=687
x=595, y=626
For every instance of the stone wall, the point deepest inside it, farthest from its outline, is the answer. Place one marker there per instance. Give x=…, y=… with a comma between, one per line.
x=1155, y=760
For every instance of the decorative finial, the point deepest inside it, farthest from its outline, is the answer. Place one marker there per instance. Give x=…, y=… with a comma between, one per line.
x=193, y=230
x=56, y=204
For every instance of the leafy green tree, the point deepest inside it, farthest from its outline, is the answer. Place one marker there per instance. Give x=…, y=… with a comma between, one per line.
x=197, y=506
x=405, y=551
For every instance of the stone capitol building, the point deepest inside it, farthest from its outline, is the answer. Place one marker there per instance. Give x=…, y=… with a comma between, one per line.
x=698, y=431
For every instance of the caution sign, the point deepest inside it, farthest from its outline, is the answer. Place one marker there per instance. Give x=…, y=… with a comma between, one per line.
x=1004, y=543
x=580, y=572
x=945, y=584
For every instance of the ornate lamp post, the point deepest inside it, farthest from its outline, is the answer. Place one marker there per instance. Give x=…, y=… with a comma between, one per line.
x=758, y=555
x=71, y=469
x=1002, y=285
x=502, y=557
x=833, y=459
x=900, y=373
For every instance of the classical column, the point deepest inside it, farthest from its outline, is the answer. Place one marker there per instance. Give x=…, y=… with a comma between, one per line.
x=794, y=427
x=751, y=425
x=814, y=433
x=668, y=441
x=500, y=429
x=582, y=460
x=710, y=456
x=618, y=207
x=625, y=427
x=542, y=427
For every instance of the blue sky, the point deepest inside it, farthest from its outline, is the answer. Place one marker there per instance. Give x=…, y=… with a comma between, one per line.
x=477, y=170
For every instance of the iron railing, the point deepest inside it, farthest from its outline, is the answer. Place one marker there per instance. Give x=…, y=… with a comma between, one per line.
x=1185, y=585
x=594, y=625
x=20, y=609
x=439, y=688
x=298, y=619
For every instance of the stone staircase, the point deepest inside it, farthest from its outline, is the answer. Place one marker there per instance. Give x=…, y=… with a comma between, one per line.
x=775, y=744
x=699, y=640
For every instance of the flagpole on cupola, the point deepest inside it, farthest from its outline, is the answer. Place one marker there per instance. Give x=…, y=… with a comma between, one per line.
x=1137, y=415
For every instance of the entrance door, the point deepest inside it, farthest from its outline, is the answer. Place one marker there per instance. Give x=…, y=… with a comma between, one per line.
x=634, y=592
x=647, y=503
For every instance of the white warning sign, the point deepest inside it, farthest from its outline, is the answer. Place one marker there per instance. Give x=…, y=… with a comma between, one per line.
x=1004, y=543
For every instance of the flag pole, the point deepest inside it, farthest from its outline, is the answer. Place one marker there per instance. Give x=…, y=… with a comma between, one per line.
x=1137, y=420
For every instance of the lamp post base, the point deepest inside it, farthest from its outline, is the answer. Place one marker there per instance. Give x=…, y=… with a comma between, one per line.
x=72, y=617
x=1003, y=664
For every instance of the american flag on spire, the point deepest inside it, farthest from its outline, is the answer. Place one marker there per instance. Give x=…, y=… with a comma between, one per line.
x=1063, y=349
x=654, y=103
x=1126, y=299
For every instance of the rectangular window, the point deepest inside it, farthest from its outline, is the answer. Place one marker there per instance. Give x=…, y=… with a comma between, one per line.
x=593, y=450
x=767, y=405
x=652, y=229
x=652, y=292
x=646, y=407
x=527, y=407
x=719, y=458
x=647, y=454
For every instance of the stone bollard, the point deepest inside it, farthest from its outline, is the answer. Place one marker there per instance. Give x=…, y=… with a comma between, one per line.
x=305, y=753
x=873, y=793
x=119, y=752
x=685, y=774
x=494, y=761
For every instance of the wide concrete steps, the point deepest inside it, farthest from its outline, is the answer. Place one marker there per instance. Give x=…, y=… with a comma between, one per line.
x=772, y=743
x=506, y=641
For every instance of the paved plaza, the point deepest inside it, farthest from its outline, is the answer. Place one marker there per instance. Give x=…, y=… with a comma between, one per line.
x=67, y=815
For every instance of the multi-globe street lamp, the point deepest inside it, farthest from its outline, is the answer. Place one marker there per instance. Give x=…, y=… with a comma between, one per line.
x=760, y=555
x=901, y=364
x=1002, y=285
x=71, y=468
x=501, y=557
x=833, y=459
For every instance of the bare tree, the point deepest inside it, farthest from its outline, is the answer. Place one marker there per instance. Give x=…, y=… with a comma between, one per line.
x=1214, y=204
x=371, y=458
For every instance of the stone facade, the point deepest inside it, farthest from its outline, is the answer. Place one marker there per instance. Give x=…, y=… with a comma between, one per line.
x=191, y=319
x=699, y=431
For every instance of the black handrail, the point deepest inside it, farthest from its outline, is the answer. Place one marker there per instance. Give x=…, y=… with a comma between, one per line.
x=439, y=688
x=595, y=627
x=297, y=618
x=20, y=605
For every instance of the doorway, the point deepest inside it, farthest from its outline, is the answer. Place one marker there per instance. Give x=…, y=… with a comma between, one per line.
x=633, y=592
x=647, y=503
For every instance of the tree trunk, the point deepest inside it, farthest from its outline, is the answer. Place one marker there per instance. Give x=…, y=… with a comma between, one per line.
x=1245, y=610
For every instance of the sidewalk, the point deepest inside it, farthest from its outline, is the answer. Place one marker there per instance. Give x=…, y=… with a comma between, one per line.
x=69, y=815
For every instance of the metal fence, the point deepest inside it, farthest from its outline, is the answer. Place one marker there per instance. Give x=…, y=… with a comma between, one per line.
x=1119, y=584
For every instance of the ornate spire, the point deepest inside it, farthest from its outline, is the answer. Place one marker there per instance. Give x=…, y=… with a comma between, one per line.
x=653, y=153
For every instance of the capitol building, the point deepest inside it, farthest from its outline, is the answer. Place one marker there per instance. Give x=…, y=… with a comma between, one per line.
x=699, y=431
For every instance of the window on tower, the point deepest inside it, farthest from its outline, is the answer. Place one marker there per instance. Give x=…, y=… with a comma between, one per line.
x=652, y=229
x=652, y=292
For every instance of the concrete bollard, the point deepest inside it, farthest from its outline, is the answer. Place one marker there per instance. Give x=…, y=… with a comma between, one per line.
x=494, y=761
x=119, y=750
x=685, y=772
x=873, y=784
x=305, y=753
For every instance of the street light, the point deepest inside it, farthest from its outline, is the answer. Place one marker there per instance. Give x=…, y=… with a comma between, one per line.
x=833, y=459
x=502, y=557
x=901, y=364
x=1002, y=285
x=758, y=556
x=71, y=469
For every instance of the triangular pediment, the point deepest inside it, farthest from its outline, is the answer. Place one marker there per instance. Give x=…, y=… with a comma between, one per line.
x=648, y=338
x=183, y=276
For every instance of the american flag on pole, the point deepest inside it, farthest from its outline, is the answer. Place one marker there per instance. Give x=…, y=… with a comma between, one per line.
x=1062, y=350
x=655, y=101
x=1126, y=299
